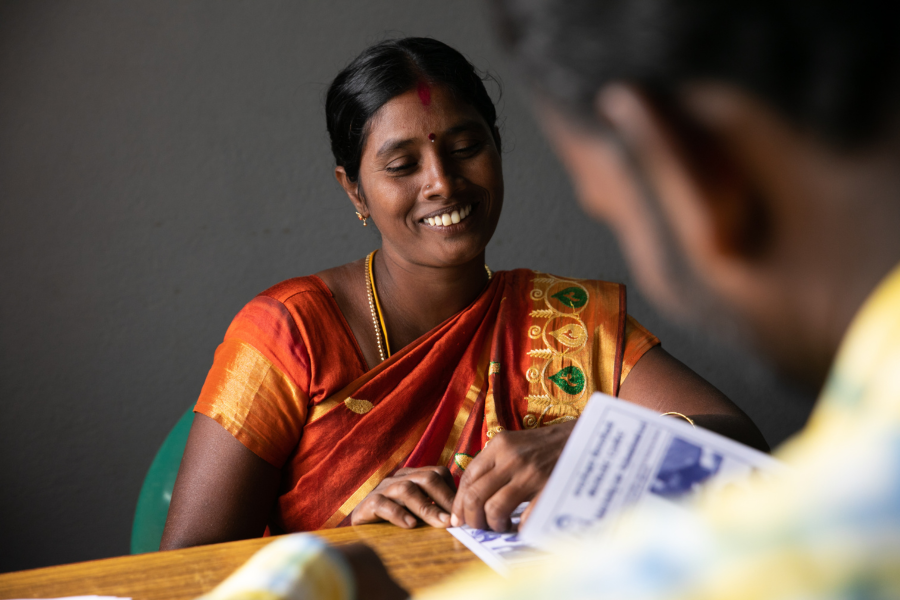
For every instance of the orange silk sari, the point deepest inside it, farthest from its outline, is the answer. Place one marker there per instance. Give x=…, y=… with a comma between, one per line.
x=290, y=383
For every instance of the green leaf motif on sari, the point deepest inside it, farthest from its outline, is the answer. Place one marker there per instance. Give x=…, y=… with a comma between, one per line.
x=462, y=459
x=573, y=297
x=570, y=380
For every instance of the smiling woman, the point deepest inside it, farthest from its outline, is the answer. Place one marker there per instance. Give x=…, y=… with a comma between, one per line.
x=371, y=390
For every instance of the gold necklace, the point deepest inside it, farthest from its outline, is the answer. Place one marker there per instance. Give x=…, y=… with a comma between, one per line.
x=375, y=307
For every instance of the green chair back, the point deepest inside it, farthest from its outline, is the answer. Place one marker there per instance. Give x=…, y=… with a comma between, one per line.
x=156, y=493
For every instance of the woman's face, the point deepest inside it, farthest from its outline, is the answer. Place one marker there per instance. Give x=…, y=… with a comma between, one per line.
x=430, y=178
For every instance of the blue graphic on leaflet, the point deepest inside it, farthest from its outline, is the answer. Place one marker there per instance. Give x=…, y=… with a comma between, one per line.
x=684, y=468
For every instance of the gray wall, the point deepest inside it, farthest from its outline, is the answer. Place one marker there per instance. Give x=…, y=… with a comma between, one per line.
x=160, y=163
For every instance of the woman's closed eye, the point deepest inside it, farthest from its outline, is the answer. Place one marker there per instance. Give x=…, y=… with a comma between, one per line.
x=401, y=165
x=468, y=148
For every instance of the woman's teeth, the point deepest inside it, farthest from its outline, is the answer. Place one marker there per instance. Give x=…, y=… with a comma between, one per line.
x=450, y=218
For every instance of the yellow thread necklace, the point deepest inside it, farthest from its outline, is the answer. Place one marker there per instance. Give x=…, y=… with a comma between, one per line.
x=375, y=307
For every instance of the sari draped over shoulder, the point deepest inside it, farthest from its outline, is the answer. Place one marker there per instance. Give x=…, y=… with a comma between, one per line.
x=290, y=383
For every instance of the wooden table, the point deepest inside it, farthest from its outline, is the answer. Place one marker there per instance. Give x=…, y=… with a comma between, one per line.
x=417, y=559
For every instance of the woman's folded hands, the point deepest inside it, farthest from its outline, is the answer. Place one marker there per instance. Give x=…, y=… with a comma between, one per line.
x=513, y=468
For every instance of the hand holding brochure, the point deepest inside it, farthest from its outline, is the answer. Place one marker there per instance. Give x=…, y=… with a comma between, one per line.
x=622, y=456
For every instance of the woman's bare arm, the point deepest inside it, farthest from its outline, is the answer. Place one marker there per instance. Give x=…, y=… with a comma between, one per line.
x=223, y=492
x=662, y=383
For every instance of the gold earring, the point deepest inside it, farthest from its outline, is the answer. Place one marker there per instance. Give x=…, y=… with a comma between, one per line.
x=362, y=218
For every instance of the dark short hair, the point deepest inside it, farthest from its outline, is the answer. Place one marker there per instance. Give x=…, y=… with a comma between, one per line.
x=830, y=67
x=387, y=70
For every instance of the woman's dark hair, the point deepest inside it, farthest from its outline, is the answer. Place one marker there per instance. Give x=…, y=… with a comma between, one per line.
x=386, y=70
x=827, y=66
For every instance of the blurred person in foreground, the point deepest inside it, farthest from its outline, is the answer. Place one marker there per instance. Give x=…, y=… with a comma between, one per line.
x=746, y=156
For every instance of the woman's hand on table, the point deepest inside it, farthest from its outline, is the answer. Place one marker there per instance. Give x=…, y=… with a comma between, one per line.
x=513, y=468
x=423, y=492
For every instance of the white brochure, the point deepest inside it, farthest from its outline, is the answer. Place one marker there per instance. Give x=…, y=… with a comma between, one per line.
x=620, y=456
x=623, y=456
x=500, y=551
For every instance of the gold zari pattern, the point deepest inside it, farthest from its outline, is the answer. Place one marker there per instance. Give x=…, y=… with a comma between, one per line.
x=560, y=376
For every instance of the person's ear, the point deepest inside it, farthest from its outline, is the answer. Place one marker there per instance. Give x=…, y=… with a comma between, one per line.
x=352, y=189
x=704, y=191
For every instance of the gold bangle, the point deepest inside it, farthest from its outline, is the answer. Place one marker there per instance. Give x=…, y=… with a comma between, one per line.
x=678, y=414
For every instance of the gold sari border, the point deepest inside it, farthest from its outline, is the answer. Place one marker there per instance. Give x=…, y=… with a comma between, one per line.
x=471, y=397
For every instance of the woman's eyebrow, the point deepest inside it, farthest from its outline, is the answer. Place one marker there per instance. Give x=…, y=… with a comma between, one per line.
x=468, y=125
x=391, y=145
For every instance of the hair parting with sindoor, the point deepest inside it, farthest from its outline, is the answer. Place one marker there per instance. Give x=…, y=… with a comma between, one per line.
x=831, y=67
x=387, y=70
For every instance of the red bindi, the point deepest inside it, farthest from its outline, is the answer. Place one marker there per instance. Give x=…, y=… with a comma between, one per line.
x=431, y=136
x=424, y=92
